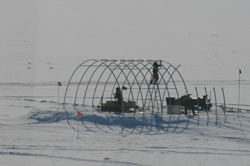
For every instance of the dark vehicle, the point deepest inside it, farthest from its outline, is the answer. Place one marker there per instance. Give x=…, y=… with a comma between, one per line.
x=191, y=103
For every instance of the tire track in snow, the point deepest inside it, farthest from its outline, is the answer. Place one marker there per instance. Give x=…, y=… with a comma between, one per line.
x=105, y=160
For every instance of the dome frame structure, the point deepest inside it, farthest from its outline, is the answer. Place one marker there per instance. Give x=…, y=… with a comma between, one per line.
x=94, y=82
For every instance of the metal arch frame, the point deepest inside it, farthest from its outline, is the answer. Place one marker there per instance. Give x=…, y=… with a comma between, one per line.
x=90, y=81
x=166, y=83
x=113, y=65
x=81, y=81
x=98, y=83
x=121, y=72
x=171, y=77
x=116, y=77
x=66, y=91
x=135, y=78
x=140, y=71
x=162, y=78
x=112, y=73
x=126, y=77
x=139, y=85
x=148, y=85
x=176, y=70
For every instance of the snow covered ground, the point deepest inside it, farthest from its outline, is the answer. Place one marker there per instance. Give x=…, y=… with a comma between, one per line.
x=34, y=132
x=43, y=41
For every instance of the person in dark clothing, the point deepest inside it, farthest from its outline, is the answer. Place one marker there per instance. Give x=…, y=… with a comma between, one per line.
x=118, y=96
x=155, y=73
x=188, y=103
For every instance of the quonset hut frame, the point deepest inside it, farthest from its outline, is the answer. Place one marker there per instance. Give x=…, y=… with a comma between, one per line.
x=94, y=82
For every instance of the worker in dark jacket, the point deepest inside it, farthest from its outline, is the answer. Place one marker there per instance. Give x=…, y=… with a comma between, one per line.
x=118, y=96
x=155, y=73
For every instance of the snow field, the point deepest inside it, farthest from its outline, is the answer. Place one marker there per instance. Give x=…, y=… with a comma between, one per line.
x=43, y=41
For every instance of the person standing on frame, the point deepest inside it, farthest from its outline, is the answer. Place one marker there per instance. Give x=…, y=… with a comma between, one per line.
x=155, y=73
